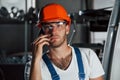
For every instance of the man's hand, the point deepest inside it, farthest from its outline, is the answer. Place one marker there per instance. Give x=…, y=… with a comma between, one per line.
x=38, y=46
x=98, y=78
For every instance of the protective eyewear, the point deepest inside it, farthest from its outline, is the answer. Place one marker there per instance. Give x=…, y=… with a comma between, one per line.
x=51, y=25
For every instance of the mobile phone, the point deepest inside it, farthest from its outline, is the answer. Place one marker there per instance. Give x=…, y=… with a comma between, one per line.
x=41, y=32
x=45, y=47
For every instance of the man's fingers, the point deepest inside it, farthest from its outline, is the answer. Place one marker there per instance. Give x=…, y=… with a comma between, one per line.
x=39, y=38
x=42, y=41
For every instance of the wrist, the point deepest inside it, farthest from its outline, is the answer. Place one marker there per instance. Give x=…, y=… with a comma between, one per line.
x=36, y=59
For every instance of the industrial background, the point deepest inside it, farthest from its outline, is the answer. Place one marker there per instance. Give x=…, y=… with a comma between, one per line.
x=18, y=18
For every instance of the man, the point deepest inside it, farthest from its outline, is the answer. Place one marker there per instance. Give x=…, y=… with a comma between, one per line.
x=61, y=61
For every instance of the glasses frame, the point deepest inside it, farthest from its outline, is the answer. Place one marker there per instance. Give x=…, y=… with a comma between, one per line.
x=48, y=26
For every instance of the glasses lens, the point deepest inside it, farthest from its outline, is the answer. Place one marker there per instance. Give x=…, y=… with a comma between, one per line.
x=49, y=26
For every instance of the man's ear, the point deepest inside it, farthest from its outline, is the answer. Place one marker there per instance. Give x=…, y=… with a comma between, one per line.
x=67, y=29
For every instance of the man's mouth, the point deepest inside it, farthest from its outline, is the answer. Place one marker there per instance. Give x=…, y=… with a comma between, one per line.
x=53, y=38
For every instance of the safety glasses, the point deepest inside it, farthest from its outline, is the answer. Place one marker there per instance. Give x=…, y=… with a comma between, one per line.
x=49, y=26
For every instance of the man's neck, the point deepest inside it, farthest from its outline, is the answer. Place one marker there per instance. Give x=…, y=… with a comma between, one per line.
x=61, y=57
x=60, y=52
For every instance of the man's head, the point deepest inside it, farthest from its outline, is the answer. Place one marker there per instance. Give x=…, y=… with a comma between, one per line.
x=55, y=21
x=53, y=11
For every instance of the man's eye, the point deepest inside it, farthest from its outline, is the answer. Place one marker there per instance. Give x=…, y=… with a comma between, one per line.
x=58, y=25
x=50, y=27
x=46, y=26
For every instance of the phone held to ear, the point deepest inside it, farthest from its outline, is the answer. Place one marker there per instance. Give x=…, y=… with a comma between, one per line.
x=45, y=47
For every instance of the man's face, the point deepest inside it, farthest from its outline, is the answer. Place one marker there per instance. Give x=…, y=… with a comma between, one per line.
x=58, y=31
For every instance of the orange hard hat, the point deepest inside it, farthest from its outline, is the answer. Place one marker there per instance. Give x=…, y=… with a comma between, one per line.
x=53, y=11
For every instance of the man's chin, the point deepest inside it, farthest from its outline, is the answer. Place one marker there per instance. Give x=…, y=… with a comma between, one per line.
x=54, y=45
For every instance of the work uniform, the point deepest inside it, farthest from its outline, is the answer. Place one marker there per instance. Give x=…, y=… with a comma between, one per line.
x=92, y=67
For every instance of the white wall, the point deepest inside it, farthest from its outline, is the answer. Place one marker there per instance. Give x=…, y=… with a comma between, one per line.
x=98, y=37
x=103, y=3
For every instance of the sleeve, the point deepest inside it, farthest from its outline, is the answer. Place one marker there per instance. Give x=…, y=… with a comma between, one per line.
x=27, y=68
x=95, y=66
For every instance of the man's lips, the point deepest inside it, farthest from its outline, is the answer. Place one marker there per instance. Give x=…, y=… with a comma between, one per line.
x=53, y=38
